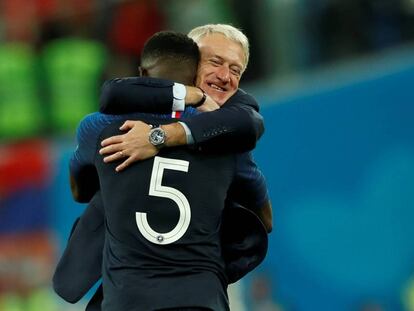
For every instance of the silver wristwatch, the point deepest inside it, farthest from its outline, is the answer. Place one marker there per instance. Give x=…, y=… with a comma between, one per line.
x=157, y=137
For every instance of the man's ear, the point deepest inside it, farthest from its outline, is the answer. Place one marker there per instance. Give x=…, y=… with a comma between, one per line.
x=142, y=72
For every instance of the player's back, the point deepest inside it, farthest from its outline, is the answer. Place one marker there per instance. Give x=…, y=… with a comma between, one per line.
x=163, y=218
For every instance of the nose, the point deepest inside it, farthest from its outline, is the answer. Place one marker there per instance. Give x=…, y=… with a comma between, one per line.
x=223, y=73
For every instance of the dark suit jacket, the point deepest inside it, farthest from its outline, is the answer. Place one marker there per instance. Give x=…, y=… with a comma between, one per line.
x=244, y=242
x=79, y=267
x=233, y=128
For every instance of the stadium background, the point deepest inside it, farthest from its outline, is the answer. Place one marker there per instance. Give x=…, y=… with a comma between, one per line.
x=335, y=81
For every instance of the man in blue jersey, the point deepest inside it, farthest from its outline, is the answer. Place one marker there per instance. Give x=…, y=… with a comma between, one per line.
x=91, y=125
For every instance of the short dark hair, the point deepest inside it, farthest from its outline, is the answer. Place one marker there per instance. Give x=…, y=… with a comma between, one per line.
x=170, y=45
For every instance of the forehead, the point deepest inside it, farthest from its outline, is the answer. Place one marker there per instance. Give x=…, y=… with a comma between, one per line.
x=219, y=45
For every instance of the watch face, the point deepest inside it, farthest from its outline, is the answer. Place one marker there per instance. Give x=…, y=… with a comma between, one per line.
x=157, y=136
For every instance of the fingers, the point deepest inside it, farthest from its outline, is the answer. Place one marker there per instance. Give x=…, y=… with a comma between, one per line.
x=130, y=158
x=124, y=164
x=112, y=140
x=110, y=149
x=130, y=147
x=209, y=105
x=120, y=138
x=127, y=125
x=114, y=157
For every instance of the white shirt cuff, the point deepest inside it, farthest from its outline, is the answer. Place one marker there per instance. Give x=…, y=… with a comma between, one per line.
x=179, y=93
x=188, y=134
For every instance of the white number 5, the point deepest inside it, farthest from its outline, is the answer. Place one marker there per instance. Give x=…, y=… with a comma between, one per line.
x=158, y=190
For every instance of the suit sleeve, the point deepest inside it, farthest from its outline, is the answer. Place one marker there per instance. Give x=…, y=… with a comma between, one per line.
x=235, y=127
x=136, y=94
x=78, y=270
x=249, y=187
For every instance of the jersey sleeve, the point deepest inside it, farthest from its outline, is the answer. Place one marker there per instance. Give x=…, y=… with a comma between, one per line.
x=249, y=186
x=81, y=164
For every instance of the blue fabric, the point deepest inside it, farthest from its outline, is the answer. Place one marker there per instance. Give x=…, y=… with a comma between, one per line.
x=248, y=176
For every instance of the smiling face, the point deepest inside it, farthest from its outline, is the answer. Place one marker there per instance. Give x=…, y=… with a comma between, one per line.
x=221, y=66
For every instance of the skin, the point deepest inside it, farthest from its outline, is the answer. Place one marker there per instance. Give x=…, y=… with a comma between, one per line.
x=219, y=72
x=220, y=68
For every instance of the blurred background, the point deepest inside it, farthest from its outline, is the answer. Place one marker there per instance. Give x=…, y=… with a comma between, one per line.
x=335, y=81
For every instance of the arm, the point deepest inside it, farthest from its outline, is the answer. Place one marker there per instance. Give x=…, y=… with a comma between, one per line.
x=145, y=94
x=83, y=175
x=265, y=215
x=83, y=183
x=124, y=95
x=233, y=128
x=77, y=271
x=249, y=190
x=236, y=127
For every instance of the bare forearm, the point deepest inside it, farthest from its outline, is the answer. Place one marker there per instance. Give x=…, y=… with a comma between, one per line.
x=193, y=95
x=175, y=135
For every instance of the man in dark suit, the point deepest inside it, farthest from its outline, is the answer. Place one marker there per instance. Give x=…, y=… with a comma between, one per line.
x=121, y=83
x=235, y=127
x=224, y=57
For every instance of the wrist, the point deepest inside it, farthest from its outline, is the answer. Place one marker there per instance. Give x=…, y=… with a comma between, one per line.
x=195, y=96
x=179, y=95
x=202, y=100
x=175, y=135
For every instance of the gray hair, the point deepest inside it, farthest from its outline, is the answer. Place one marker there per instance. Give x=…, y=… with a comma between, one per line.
x=228, y=31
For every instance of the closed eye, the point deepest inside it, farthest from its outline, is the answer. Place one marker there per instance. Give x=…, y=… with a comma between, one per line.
x=215, y=62
x=236, y=71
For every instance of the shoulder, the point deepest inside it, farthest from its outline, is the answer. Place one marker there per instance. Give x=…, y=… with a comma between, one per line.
x=95, y=123
x=92, y=124
x=241, y=97
x=99, y=120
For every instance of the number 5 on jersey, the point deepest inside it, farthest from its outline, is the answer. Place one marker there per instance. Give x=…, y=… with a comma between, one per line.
x=158, y=190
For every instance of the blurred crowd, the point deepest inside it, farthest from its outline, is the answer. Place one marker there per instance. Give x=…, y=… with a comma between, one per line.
x=55, y=54
x=50, y=48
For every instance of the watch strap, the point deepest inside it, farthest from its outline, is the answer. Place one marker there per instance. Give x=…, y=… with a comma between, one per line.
x=202, y=100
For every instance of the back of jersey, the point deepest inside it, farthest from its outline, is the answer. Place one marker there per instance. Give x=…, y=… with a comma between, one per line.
x=163, y=218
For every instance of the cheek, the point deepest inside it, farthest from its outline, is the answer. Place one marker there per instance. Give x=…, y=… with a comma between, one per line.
x=234, y=81
x=205, y=70
x=200, y=75
x=198, y=80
